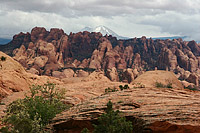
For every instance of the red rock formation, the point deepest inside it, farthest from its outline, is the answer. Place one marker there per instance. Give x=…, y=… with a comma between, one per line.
x=167, y=59
x=128, y=75
x=55, y=34
x=193, y=78
x=166, y=127
x=112, y=74
x=194, y=47
x=38, y=33
x=92, y=50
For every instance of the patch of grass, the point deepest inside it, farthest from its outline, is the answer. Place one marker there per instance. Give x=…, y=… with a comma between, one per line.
x=139, y=85
x=169, y=85
x=120, y=101
x=161, y=85
x=107, y=90
x=2, y=104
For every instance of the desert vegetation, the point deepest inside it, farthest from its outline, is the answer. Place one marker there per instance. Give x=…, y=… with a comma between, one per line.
x=3, y=58
x=161, y=85
x=113, y=122
x=33, y=113
x=107, y=90
x=193, y=88
x=139, y=85
x=121, y=87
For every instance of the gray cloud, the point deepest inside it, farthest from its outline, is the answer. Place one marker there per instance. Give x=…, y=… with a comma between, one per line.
x=128, y=17
x=176, y=23
x=102, y=7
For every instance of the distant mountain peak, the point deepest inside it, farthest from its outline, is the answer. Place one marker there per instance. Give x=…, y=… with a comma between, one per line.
x=104, y=31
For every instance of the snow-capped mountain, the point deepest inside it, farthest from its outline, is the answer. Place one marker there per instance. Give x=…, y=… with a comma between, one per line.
x=104, y=30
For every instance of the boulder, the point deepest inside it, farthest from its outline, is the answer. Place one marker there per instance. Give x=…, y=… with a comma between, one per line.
x=112, y=74
x=68, y=73
x=58, y=74
x=128, y=75
x=193, y=78
x=187, y=84
x=33, y=71
x=40, y=61
x=81, y=73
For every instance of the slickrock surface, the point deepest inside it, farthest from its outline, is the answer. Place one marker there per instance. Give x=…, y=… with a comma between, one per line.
x=177, y=106
x=149, y=79
x=13, y=77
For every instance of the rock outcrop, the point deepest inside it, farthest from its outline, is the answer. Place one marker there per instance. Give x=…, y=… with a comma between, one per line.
x=112, y=74
x=175, y=107
x=150, y=78
x=128, y=75
x=14, y=78
x=48, y=51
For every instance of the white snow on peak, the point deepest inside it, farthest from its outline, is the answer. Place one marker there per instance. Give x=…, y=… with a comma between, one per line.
x=103, y=30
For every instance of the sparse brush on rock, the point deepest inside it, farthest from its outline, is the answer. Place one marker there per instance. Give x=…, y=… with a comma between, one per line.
x=32, y=114
x=85, y=130
x=112, y=122
x=124, y=87
x=193, y=88
x=3, y=58
x=161, y=85
x=107, y=90
x=139, y=85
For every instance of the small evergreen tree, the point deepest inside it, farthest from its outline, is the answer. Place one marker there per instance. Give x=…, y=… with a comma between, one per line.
x=3, y=58
x=112, y=122
x=85, y=130
x=32, y=114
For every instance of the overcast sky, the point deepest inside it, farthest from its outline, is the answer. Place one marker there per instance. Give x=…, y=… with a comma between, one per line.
x=130, y=18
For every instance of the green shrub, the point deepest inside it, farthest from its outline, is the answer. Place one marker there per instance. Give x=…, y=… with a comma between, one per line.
x=123, y=87
x=3, y=58
x=85, y=130
x=169, y=85
x=112, y=122
x=32, y=114
x=160, y=85
x=107, y=90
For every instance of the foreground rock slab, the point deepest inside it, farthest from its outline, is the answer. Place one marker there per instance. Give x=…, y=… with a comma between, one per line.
x=177, y=106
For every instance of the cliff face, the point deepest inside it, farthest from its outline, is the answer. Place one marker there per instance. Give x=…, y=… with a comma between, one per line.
x=43, y=52
x=14, y=78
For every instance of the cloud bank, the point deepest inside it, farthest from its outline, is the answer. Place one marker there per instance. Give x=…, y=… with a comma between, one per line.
x=131, y=18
